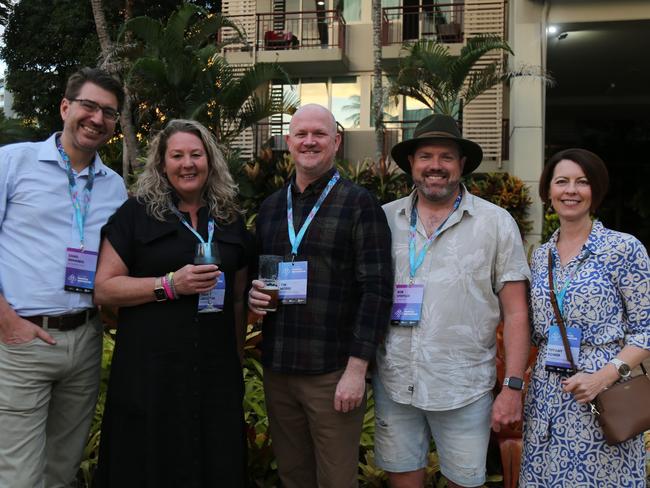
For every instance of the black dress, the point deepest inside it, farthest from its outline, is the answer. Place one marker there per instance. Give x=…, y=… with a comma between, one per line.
x=174, y=415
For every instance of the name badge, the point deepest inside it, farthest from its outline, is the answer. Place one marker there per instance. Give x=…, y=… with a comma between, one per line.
x=407, y=305
x=212, y=301
x=292, y=280
x=80, y=267
x=556, y=359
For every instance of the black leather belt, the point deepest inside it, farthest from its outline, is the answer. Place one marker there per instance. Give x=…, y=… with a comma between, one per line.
x=63, y=322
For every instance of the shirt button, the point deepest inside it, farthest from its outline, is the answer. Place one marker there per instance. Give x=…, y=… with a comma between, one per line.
x=410, y=388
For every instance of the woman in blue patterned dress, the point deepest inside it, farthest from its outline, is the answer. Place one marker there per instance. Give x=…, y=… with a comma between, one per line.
x=602, y=281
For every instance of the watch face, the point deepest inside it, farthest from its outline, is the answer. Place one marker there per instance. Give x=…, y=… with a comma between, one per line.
x=515, y=383
x=160, y=294
x=624, y=370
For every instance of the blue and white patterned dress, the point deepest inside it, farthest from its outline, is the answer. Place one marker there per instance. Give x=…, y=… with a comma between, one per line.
x=608, y=298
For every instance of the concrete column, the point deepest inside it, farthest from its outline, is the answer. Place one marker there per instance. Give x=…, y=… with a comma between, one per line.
x=527, y=99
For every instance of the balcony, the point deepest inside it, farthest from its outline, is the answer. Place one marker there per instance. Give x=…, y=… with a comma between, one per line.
x=305, y=43
x=439, y=22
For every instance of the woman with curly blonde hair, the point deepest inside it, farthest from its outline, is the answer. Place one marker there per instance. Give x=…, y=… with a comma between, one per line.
x=174, y=406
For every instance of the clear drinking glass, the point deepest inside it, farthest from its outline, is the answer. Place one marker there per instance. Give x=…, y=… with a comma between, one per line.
x=268, y=274
x=207, y=253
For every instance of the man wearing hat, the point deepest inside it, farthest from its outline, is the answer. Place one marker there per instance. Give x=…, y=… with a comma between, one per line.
x=459, y=268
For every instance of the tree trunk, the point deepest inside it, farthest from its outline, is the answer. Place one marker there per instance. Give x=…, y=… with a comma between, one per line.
x=129, y=141
x=377, y=90
x=105, y=42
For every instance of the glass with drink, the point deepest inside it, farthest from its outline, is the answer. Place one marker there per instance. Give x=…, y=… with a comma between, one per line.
x=268, y=274
x=207, y=253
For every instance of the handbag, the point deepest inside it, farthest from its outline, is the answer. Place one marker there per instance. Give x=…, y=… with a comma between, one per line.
x=622, y=409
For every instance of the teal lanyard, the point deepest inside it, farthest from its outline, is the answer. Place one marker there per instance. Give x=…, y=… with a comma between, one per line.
x=296, y=240
x=80, y=203
x=181, y=217
x=416, y=262
x=560, y=292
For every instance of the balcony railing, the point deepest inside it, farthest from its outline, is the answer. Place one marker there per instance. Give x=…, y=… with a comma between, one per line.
x=300, y=30
x=439, y=22
x=271, y=135
x=318, y=29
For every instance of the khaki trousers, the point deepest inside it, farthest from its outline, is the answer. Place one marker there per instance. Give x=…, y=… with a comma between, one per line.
x=47, y=401
x=316, y=446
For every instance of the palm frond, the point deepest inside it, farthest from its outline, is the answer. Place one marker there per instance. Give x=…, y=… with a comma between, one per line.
x=148, y=30
x=475, y=49
x=207, y=28
x=177, y=25
x=480, y=81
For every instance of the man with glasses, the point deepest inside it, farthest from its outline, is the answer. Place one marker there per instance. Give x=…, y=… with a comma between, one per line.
x=55, y=195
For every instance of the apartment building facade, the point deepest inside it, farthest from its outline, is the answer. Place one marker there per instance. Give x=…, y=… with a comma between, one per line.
x=326, y=46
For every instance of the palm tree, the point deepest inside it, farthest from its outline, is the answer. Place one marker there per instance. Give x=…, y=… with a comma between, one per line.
x=130, y=143
x=442, y=82
x=178, y=71
x=377, y=88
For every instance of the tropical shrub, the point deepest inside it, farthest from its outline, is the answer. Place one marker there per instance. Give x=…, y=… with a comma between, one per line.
x=507, y=192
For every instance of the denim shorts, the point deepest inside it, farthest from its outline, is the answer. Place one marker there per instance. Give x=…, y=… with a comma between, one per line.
x=403, y=434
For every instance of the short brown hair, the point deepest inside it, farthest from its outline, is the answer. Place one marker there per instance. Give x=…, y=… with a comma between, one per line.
x=97, y=76
x=594, y=168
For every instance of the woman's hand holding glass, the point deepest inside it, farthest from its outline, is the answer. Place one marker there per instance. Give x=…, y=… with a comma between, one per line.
x=192, y=279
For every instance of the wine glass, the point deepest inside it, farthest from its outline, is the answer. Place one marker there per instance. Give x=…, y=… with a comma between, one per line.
x=207, y=253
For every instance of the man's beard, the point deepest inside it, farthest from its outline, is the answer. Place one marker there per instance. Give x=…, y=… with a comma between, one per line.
x=436, y=193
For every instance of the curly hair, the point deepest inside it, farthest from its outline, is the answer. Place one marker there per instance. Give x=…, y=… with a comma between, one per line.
x=154, y=190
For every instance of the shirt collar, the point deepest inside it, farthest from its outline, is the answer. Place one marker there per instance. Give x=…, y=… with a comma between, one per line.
x=596, y=242
x=49, y=153
x=316, y=186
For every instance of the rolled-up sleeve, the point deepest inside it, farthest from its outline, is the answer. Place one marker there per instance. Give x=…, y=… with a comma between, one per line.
x=511, y=262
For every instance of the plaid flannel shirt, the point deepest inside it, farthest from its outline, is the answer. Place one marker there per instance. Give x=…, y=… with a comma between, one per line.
x=350, y=278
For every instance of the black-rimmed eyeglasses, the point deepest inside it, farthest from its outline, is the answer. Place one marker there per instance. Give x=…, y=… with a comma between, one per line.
x=92, y=107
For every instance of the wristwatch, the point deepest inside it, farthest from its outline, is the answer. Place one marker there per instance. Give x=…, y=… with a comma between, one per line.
x=514, y=383
x=622, y=367
x=159, y=291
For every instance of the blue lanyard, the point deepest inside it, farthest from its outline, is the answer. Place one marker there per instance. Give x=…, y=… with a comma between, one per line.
x=180, y=216
x=80, y=204
x=560, y=293
x=414, y=262
x=296, y=240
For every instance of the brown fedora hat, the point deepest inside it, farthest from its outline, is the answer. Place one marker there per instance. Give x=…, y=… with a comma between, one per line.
x=434, y=128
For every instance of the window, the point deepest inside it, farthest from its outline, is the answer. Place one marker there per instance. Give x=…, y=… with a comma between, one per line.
x=346, y=101
x=314, y=91
x=351, y=10
x=342, y=95
x=400, y=108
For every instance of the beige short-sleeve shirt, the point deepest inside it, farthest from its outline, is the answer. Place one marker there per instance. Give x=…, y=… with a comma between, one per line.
x=448, y=359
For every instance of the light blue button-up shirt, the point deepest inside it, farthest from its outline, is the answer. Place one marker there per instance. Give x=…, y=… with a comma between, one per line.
x=37, y=224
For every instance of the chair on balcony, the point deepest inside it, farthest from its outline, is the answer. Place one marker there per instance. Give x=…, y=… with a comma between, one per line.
x=449, y=32
x=274, y=40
